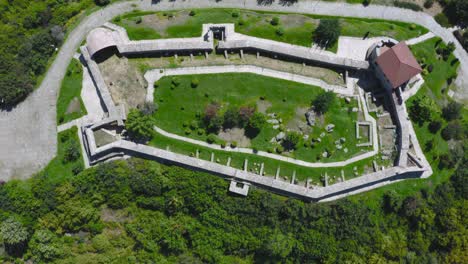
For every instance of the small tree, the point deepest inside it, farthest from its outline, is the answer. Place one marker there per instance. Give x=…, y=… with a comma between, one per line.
x=323, y=101
x=245, y=113
x=291, y=140
x=138, y=125
x=72, y=151
x=45, y=246
x=14, y=236
x=327, y=32
x=212, y=120
x=102, y=2
x=231, y=117
x=419, y=112
x=453, y=130
x=434, y=126
x=256, y=122
x=275, y=21
x=195, y=82
x=452, y=111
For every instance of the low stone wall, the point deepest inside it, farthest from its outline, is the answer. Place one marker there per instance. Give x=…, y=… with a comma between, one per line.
x=330, y=192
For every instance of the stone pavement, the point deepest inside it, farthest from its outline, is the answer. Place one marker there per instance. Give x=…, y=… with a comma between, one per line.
x=28, y=132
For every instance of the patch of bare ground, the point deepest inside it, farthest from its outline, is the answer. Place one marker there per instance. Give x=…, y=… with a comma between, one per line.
x=125, y=82
x=104, y=137
x=74, y=106
x=111, y=215
x=235, y=134
x=330, y=76
x=298, y=122
x=262, y=106
x=292, y=21
x=160, y=23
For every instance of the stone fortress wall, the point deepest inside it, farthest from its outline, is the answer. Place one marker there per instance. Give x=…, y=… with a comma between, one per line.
x=230, y=41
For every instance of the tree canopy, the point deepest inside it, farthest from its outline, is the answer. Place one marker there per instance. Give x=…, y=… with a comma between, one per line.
x=327, y=32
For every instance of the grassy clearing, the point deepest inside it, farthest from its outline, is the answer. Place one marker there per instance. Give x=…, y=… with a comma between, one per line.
x=436, y=81
x=183, y=103
x=296, y=28
x=237, y=161
x=70, y=89
x=139, y=33
x=59, y=168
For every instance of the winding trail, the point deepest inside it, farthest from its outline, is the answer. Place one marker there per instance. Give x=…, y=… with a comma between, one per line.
x=28, y=132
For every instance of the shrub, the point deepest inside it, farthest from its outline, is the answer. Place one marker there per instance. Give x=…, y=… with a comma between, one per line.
x=323, y=101
x=279, y=149
x=234, y=144
x=452, y=111
x=245, y=113
x=434, y=126
x=241, y=22
x=188, y=131
x=407, y=5
x=235, y=14
x=195, y=83
x=327, y=32
x=211, y=118
x=77, y=168
x=257, y=121
x=223, y=144
x=280, y=32
x=138, y=125
x=72, y=152
x=291, y=140
x=231, y=117
x=442, y=19
x=412, y=27
x=138, y=20
x=428, y=3
x=200, y=131
x=185, y=124
x=419, y=112
x=428, y=146
x=193, y=124
x=101, y=2
x=366, y=2
x=192, y=13
x=430, y=68
x=275, y=21
x=453, y=130
x=211, y=138
x=175, y=81
x=270, y=150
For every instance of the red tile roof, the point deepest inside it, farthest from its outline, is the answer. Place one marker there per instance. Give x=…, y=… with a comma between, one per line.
x=398, y=64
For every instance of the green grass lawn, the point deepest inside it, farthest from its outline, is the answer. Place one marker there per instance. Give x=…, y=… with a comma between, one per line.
x=237, y=161
x=59, y=168
x=298, y=29
x=181, y=105
x=70, y=89
x=436, y=81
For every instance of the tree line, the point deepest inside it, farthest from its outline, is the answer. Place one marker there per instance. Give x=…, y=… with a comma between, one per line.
x=164, y=213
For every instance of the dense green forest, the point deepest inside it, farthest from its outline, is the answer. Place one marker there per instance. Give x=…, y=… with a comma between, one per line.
x=30, y=33
x=139, y=211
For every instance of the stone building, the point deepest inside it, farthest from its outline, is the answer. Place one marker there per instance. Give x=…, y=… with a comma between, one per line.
x=393, y=63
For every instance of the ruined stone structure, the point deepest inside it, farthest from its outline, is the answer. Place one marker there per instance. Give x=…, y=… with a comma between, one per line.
x=115, y=37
